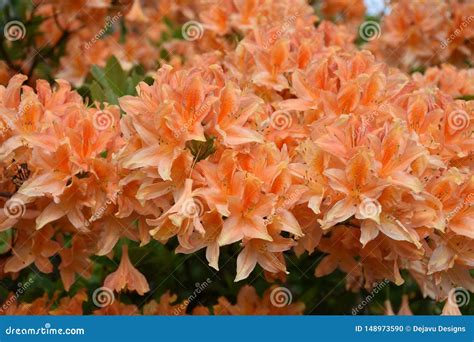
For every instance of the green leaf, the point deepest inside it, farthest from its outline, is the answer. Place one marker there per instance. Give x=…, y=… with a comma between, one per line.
x=115, y=76
x=97, y=93
x=465, y=97
x=112, y=82
x=111, y=97
x=201, y=149
x=5, y=240
x=99, y=76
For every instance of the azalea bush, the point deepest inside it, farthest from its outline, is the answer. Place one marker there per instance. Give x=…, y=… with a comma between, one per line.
x=236, y=157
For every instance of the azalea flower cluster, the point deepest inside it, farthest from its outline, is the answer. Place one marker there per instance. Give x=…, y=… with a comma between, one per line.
x=458, y=83
x=289, y=139
x=347, y=12
x=90, y=33
x=417, y=33
x=248, y=303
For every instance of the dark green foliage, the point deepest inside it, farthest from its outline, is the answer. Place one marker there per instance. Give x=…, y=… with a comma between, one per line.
x=110, y=83
x=178, y=273
x=201, y=149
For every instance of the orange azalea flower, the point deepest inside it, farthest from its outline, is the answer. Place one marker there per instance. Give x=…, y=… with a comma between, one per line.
x=342, y=258
x=136, y=13
x=248, y=208
x=216, y=18
x=217, y=176
x=311, y=171
x=347, y=8
x=127, y=276
x=70, y=305
x=272, y=64
x=33, y=247
x=266, y=254
x=404, y=308
x=183, y=215
x=410, y=40
x=212, y=224
x=249, y=303
x=450, y=308
x=180, y=120
x=359, y=188
x=234, y=111
x=75, y=260
x=166, y=306
x=39, y=306
x=117, y=308
x=453, y=81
